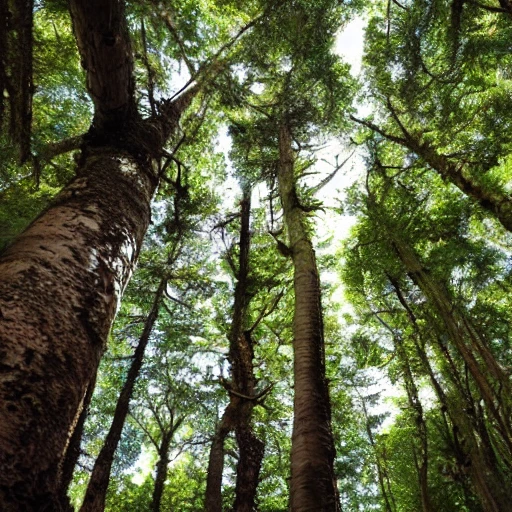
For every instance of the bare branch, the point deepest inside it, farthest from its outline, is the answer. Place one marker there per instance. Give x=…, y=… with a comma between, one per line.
x=326, y=180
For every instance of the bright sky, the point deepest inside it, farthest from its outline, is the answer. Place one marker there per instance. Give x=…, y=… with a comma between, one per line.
x=349, y=44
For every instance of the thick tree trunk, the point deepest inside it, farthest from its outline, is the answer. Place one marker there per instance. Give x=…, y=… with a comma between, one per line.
x=95, y=495
x=251, y=450
x=313, y=485
x=61, y=282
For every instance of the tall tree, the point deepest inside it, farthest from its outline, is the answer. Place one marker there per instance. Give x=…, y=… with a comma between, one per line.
x=313, y=484
x=63, y=277
x=242, y=386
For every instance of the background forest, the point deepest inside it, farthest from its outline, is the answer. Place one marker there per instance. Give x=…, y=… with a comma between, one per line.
x=273, y=148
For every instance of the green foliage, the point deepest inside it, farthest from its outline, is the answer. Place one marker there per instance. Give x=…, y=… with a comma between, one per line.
x=437, y=79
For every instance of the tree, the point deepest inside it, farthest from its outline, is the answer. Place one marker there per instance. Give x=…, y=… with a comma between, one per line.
x=243, y=396
x=404, y=222
x=63, y=277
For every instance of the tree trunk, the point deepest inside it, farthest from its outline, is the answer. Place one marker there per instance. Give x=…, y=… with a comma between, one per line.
x=313, y=484
x=463, y=338
x=213, y=495
x=421, y=426
x=161, y=470
x=95, y=495
x=73, y=450
x=251, y=450
x=381, y=470
x=238, y=413
x=62, y=279
x=21, y=87
x=477, y=458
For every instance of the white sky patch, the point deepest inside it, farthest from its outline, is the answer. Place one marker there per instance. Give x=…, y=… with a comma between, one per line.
x=349, y=44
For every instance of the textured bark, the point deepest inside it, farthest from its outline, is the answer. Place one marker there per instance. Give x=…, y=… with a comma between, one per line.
x=61, y=281
x=73, y=450
x=313, y=485
x=237, y=415
x=251, y=450
x=102, y=37
x=96, y=492
x=241, y=355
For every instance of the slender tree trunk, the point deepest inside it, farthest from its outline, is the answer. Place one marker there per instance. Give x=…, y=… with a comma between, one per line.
x=213, y=496
x=421, y=426
x=21, y=86
x=477, y=459
x=238, y=413
x=161, y=470
x=464, y=340
x=381, y=472
x=241, y=356
x=73, y=450
x=96, y=492
x=313, y=484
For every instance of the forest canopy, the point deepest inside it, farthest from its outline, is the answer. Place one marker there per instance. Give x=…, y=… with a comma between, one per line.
x=238, y=274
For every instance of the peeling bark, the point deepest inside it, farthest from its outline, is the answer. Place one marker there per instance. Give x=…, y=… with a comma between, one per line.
x=313, y=484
